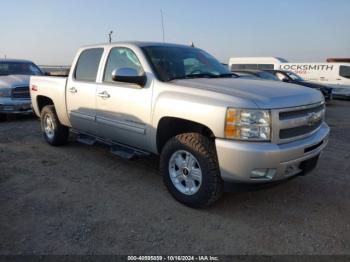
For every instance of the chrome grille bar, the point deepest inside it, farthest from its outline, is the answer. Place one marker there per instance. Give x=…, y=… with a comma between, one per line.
x=290, y=124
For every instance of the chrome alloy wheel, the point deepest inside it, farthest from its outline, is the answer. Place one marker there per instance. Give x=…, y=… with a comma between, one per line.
x=185, y=172
x=49, y=127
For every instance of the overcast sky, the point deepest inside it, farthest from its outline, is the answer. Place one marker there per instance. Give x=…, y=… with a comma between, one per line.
x=49, y=32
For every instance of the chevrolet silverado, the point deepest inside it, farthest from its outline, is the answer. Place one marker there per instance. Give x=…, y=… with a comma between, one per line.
x=179, y=102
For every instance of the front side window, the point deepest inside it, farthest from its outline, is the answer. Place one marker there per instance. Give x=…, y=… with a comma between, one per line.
x=344, y=71
x=252, y=67
x=118, y=58
x=19, y=68
x=180, y=62
x=87, y=65
x=266, y=66
x=244, y=67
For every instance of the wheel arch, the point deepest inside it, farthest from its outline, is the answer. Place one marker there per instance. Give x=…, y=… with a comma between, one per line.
x=169, y=127
x=43, y=101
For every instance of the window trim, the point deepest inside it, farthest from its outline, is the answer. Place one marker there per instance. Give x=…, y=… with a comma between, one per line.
x=114, y=83
x=340, y=68
x=98, y=68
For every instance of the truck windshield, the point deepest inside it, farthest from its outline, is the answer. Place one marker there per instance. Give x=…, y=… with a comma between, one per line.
x=19, y=68
x=173, y=62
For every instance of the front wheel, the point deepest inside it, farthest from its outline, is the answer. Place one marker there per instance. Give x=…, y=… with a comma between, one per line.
x=54, y=132
x=190, y=170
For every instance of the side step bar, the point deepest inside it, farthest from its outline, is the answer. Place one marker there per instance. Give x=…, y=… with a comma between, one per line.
x=87, y=140
x=123, y=151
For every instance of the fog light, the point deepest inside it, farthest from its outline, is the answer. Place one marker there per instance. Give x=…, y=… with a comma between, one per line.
x=263, y=173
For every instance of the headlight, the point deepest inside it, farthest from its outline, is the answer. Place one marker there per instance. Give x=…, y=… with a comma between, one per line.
x=5, y=92
x=245, y=124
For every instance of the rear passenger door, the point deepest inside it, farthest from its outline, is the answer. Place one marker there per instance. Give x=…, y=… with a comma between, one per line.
x=81, y=91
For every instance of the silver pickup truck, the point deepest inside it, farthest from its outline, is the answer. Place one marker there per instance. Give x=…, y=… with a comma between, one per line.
x=207, y=125
x=14, y=86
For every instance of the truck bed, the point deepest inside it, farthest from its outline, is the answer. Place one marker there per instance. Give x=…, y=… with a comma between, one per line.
x=53, y=88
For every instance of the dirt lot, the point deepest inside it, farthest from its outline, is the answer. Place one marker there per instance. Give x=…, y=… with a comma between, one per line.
x=80, y=199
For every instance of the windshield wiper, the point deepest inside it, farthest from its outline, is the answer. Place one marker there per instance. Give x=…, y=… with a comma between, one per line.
x=201, y=75
x=227, y=75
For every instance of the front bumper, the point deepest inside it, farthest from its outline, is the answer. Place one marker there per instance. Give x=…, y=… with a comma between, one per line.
x=238, y=159
x=15, y=106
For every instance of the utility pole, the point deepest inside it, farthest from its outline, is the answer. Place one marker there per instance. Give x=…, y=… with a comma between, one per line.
x=162, y=18
x=110, y=36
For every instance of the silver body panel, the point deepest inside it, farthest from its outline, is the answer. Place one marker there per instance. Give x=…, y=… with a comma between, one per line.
x=131, y=114
x=265, y=94
x=238, y=159
x=81, y=105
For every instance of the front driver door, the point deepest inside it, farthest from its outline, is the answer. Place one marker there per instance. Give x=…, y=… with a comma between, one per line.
x=123, y=109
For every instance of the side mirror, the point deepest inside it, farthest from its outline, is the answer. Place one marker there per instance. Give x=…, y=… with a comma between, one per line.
x=128, y=75
x=285, y=80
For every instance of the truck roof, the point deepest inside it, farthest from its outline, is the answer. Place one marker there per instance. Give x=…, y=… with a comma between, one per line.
x=15, y=61
x=136, y=43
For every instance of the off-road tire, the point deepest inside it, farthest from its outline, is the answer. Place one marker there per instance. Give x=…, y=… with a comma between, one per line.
x=204, y=151
x=60, y=132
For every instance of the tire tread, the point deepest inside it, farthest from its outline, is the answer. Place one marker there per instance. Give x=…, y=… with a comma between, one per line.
x=203, y=146
x=61, y=131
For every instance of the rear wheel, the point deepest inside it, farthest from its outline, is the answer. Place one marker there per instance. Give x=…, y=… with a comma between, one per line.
x=54, y=132
x=190, y=170
x=3, y=117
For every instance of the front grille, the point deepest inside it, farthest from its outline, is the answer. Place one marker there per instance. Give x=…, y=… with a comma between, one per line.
x=298, y=122
x=300, y=112
x=298, y=131
x=21, y=92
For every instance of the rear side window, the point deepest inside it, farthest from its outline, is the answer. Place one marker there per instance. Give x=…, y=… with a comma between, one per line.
x=266, y=66
x=252, y=66
x=344, y=71
x=87, y=65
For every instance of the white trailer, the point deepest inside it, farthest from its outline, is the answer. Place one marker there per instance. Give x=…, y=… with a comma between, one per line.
x=333, y=74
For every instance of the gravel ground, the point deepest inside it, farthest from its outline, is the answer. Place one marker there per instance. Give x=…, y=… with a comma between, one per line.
x=80, y=199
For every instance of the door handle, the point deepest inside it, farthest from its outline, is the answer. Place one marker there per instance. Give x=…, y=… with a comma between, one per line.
x=73, y=90
x=104, y=95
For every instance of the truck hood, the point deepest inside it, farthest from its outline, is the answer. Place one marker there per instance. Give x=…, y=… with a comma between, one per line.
x=265, y=94
x=11, y=81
